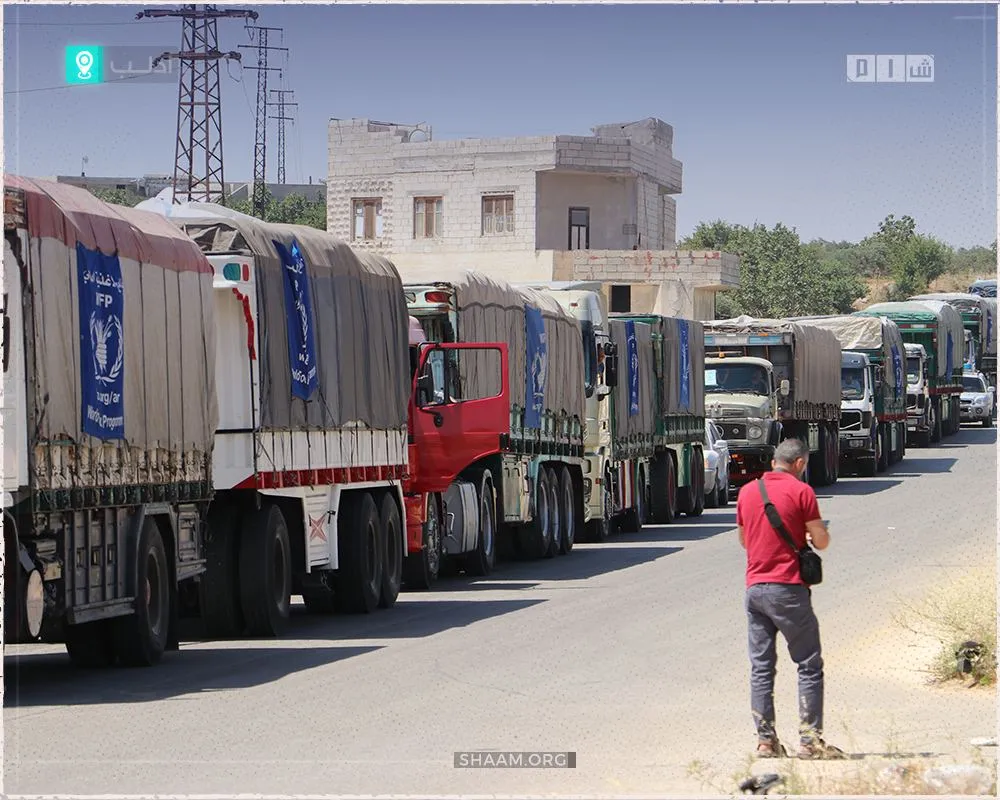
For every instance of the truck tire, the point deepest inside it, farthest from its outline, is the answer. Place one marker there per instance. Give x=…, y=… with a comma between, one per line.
x=359, y=547
x=393, y=543
x=567, y=498
x=833, y=452
x=988, y=422
x=535, y=538
x=663, y=489
x=265, y=572
x=881, y=451
x=598, y=530
x=480, y=562
x=219, y=586
x=698, y=482
x=91, y=645
x=555, y=514
x=935, y=423
x=634, y=518
x=421, y=570
x=141, y=637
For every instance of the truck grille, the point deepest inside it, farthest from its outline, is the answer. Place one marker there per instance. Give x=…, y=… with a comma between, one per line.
x=850, y=421
x=911, y=401
x=732, y=430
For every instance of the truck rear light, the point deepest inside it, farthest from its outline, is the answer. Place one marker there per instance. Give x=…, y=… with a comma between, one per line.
x=437, y=297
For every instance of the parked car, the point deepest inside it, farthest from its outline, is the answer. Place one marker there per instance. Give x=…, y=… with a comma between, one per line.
x=716, y=467
x=978, y=399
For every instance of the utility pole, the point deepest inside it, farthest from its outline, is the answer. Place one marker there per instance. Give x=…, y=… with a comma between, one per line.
x=260, y=139
x=198, y=173
x=282, y=119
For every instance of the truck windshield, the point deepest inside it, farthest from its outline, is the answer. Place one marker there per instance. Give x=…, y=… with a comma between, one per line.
x=852, y=383
x=973, y=383
x=737, y=378
x=912, y=370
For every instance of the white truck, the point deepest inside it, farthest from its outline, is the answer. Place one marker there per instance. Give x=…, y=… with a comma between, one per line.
x=920, y=420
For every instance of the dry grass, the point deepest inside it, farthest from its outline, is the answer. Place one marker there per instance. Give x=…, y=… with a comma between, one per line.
x=963, y=610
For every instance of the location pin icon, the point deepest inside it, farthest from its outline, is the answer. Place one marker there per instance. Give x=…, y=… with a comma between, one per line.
x=84, y=62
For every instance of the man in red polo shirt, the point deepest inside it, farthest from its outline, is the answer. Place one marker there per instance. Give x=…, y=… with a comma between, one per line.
x=778, y=600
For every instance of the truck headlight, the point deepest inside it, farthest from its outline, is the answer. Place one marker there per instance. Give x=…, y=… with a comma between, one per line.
x=755, y=432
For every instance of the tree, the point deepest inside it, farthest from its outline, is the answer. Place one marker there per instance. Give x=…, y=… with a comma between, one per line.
x=120, y=197
x=779, y=276
x=911, y=259
x=293, y=209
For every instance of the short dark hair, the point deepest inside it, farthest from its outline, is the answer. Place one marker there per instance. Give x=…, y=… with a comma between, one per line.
x=790, y=451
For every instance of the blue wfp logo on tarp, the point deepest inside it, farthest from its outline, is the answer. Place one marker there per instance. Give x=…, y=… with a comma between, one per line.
x=632, y=346
x=897, y=370
x=685, y=398
x=536, y=356
x=102, y=343
x=299, y=320
x=950, y=357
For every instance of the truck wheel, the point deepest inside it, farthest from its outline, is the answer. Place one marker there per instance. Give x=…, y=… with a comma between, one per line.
x=420, y=570
x=881, y=454
x=833, y=453
x=988, y=422
x=91, y=645
x=535, y=538
x=567, y=499
x=935, y=424
x=265, y=572
x=359, y=546
x=141, y=637
x=598, y=530
x=392, y=564
x=481, y=561
x=219, y=586
x=558, y=522
x=712, y=499
x=697, y=507
x=634, y=518
x=663, y=490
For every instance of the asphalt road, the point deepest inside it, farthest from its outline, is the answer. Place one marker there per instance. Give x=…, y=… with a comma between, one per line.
x=631, y=653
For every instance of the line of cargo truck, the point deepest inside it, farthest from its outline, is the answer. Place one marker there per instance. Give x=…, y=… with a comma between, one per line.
x=207, y=414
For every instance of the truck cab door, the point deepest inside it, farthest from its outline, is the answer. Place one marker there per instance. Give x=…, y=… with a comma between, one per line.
x=459, y=410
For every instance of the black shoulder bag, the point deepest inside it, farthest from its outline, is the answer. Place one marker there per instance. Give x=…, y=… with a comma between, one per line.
x=810, y=564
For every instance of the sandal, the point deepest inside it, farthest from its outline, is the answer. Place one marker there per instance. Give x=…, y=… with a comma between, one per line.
x=820, y=750
x=771, y=748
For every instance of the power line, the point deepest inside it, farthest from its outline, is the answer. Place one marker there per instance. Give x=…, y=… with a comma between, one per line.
x=70, y=86
x=77, y=24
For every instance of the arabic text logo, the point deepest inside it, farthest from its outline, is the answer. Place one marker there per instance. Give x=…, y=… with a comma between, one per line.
x=874, y=68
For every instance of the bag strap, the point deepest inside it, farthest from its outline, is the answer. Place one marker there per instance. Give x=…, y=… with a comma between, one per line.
x=774, y=517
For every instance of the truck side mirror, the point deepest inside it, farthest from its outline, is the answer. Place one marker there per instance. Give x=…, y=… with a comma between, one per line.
x=785, y=387
x=610, y=364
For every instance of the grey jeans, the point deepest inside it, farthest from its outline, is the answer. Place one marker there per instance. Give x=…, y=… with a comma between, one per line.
x=774, y=607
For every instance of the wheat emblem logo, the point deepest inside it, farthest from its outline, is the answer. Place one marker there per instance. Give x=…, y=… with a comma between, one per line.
x=102, y=330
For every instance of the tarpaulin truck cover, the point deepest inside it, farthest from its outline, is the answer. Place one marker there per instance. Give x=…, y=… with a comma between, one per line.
x=816, y=357
x=948, y=320
x=635, y=404
x=869, y=333
x=491, y=310
x=122, y=327
x=357, y=323
x=969, y=303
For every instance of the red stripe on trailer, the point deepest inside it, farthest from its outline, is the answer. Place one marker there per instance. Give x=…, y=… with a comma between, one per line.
x=245, y=300
x=287, y=479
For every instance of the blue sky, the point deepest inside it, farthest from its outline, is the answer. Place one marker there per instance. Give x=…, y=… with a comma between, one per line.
x=765, y=123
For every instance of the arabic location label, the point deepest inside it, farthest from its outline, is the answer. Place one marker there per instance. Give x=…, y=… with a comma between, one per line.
x=874, y=68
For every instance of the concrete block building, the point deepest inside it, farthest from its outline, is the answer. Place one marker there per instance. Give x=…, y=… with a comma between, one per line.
x=543, y=208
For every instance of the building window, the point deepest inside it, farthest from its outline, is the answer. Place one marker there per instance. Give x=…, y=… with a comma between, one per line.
x=368, y=218
x=579, y=229
x=621, y=299
x=498, y=214
x=427, y=217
